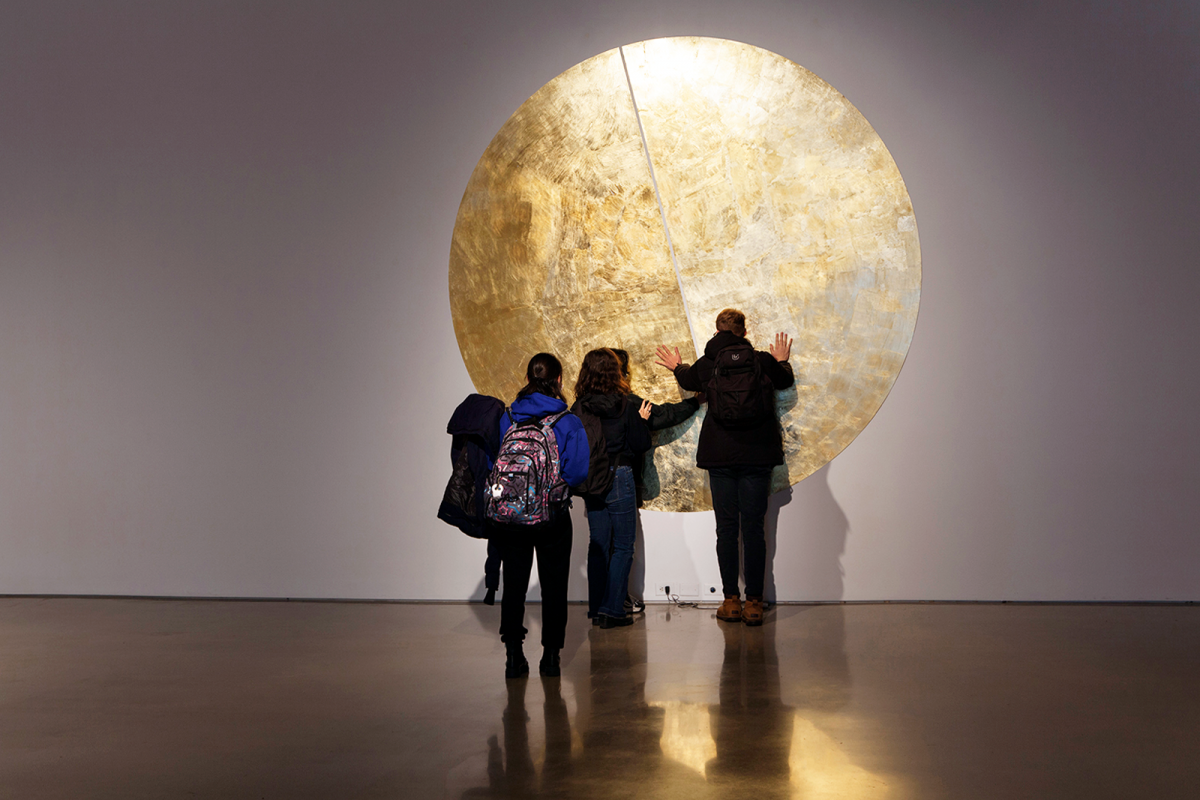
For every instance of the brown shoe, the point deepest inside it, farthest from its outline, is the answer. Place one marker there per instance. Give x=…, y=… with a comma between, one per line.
x=731, y=609
x=752, y=612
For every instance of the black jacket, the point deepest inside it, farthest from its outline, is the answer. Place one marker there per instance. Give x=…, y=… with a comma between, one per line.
x=475, y=426
x=625, y=432
x=668, y=415
x=761, y=445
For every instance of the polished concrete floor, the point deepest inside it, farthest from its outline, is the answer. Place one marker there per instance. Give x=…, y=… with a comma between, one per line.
x=164, y=699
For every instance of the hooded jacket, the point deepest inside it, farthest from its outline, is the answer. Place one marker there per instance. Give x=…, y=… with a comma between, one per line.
x=475, y=428
x=568, y=433
x=625, y=432
x=761, y=445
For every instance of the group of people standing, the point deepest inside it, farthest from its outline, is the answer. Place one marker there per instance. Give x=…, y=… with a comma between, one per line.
x=597, y=448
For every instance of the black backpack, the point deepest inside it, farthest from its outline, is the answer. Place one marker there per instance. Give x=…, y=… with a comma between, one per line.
x=737, y=395
x=600, y=474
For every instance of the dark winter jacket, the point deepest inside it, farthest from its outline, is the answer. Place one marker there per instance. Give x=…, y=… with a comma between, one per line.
x=668, y=415
x=568, y=432
x=625, y=432
x=761, y=445
x=475, y=426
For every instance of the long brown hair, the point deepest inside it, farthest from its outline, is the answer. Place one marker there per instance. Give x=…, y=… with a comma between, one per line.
x=601, y=373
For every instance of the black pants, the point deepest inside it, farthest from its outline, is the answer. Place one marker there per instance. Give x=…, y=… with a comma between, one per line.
x=552, y=543
x=740, y=501
x=751, y=728
x=491, y=567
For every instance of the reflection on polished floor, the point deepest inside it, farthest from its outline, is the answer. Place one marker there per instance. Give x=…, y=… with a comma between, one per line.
x=141, y=698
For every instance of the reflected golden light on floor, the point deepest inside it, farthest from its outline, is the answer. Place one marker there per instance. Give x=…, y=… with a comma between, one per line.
x=820, y=768
x=687, y=736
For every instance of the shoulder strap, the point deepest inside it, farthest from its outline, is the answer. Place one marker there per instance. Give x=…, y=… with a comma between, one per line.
x=551, y=420
x=547, y=420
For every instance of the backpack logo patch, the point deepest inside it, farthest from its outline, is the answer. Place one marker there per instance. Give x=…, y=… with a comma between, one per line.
x=738, y=396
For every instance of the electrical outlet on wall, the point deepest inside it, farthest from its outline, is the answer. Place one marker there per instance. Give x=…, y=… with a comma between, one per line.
x=688, y=590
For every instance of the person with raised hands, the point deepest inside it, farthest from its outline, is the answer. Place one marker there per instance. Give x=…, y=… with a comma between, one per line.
x=741, y=442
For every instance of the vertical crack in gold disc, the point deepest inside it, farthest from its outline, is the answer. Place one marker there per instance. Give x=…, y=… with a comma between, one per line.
x=781, y=201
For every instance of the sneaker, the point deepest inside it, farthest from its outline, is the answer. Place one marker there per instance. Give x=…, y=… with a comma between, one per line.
x=633, y=605
x=752, y=612
x=731, y=609
x=615, y=622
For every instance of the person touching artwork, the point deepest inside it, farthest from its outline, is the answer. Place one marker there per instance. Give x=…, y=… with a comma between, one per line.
x=740, y=443
x=662, y=416
x=602, y=392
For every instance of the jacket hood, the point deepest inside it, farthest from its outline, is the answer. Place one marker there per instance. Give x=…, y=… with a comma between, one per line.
x=476, y=416
x=604, y=406
x=536, y=405
x=722, y=340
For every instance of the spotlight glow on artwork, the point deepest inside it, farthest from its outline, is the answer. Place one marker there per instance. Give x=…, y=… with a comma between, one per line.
x=640, y=192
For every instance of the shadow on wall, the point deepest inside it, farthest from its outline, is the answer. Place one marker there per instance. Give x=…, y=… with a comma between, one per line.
x=637, y=571
x=815, y=533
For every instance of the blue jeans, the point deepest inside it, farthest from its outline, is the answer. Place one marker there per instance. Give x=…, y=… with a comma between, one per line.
x=613, y=527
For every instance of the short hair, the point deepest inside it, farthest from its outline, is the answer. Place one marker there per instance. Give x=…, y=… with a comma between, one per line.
x=732, y=320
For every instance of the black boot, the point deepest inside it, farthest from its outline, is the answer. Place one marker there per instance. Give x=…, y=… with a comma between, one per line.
x=516, y=666
x=549, y=666
x=489, y=599
x=614, y=622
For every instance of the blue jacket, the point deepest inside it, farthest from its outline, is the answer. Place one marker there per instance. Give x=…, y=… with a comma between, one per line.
x=572, y=441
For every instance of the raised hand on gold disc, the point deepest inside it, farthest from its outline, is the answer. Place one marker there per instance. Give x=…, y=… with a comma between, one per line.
x=782, y=349
x=668, y=357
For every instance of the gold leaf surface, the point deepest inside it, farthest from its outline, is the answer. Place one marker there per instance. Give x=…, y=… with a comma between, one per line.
x=779, y=197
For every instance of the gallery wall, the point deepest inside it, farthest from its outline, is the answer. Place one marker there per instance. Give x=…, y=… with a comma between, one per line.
x=226, y=352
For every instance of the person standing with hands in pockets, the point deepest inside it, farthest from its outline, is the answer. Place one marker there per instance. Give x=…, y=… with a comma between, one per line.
x=740, y=443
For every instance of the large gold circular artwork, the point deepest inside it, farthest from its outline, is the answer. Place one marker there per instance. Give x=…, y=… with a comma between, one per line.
x=640, y=192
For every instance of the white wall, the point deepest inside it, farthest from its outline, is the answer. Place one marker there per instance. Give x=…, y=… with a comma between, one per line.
x=226, y=354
